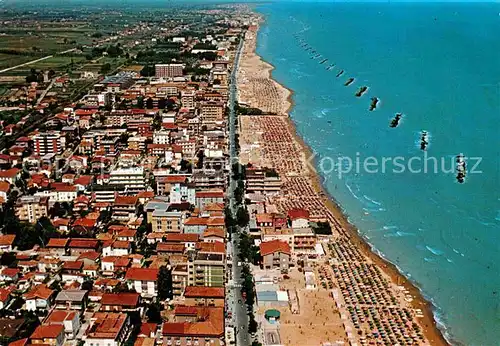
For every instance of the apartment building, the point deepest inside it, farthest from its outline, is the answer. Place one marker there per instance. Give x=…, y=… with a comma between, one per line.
x=211, y=112
x=163, y=221
x=276, y=255
x=31, y=208
x=107, y=329
x=125, y=208
x=122, y=117
x=209, y=179
x=207, y=265
x=143, y=281
x=264, y=181
x=132, y=178
x=188, y=99
x=109, y=145
x=219, y=75
x=161, y=137
x=195, y=326
x=137, y=143
x=204, y=198
x=181, y=193
x=51, y=142
x=204, y=296
x=169, y=70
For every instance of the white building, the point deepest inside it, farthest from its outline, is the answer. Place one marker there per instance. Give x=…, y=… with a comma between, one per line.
x=133, y=178
x=143, y=280
x=182, y=193
x=161, y=137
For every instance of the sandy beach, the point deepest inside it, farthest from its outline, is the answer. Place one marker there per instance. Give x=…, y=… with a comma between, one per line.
x=373, y=295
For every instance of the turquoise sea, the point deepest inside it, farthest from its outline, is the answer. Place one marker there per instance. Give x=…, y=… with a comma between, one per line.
x=438, y=64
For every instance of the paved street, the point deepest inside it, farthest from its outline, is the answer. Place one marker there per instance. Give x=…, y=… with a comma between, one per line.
x=234, y=300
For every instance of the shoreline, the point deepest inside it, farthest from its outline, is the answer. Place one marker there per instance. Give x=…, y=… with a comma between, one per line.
x=433, y=334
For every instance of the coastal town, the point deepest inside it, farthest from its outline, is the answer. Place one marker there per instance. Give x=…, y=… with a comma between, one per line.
x=154, y=192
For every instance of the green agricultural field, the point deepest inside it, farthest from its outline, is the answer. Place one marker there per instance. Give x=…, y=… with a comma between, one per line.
x=7, y=60
x=57, y=62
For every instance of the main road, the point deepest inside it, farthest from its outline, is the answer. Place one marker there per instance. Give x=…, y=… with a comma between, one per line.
x=235, y=301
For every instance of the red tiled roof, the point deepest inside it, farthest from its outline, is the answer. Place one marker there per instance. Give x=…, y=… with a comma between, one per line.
x=60, y=222
x=91, y=255
x=9, y=173
x=106, y=282
x=210, y=194
x=120, y=299
x=5, y=293
x=107, y=325
x=210, y=323
x=182, y=237
x=260, y=218
x=73, y=265
x=63, y=187
x=200, y=291
x=83, y=180
x=148, y=329
x=121, y=244
x=127, y=233
x=85, y=112
x=173, y=179
x=214, y=232
x=142, y=274
x=85, y=223
x=10, y=272
x=4, y=186
x=196, y=221
x=117, y=261
x=58, y=242
x=39, y=291
x=128, y=200
x=215, y=247
x=59, y=316
x=7, y=239
x=214, y=207
x=47, y=331
x=20, y=342
x=294, y=214
x=82, y=199
x=83, y=243
x=146, y=194
x=270, y=247
x=216, y=221
x=165, y=247
x=169, y=126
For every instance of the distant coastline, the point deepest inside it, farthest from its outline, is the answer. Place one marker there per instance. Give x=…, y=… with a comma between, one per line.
x=430, y=326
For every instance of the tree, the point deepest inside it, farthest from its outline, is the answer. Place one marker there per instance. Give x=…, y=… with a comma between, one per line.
x=149, y=103
x=140, y=102
x=122, y=287
x=200, y=155
x=148, y=71
x=105, y=68
x=242, y=217
x=322, y=228
x=186, y=166
x=252, y=324
x=165, y=290
x=87, y=285
x=154, y=313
